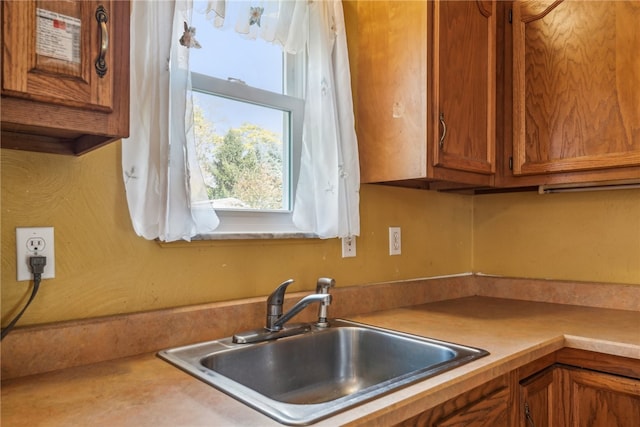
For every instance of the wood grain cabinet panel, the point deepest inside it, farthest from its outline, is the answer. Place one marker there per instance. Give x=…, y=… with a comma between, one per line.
x=575, y=90
x=464, y=74
x=418, y=67
x=540, y=399
x=568, y=388
x=492, y=410
x=596, y=399
x=65, y=74
x=485, y=406
x=599, y=391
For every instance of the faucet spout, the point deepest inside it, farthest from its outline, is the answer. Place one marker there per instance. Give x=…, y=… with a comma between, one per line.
x=275, y=326
x=324, y=299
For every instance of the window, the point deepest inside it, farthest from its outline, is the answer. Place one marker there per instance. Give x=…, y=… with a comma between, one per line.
x=248, y=114
x=318, y=174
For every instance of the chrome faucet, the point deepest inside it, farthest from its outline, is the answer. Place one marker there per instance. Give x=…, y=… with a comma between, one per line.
x=324, y=301
x=275, y=318
x=275, y=324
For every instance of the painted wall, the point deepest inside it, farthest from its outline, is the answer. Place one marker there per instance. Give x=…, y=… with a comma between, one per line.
x=103, y=268
x=592, y=236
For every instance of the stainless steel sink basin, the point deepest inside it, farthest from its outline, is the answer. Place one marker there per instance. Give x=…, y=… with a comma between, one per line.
x=301, y=379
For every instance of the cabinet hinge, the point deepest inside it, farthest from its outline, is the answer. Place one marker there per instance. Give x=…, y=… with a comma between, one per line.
x=510, y=16
x=510, y=163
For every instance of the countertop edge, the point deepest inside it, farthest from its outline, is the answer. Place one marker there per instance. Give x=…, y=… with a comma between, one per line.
x=613, y=348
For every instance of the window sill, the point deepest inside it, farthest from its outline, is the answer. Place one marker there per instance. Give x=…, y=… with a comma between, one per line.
x=232, y=236
x=255, y=236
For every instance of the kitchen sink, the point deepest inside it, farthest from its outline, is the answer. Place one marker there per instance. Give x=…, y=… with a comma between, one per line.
x=301, y=379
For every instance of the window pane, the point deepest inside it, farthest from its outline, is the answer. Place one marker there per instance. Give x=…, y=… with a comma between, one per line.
x=241, y=153
x=226, y=54
x=248, y=136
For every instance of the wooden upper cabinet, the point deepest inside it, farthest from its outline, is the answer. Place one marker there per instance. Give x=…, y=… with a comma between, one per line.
x=464, y=76
x=576, y=86
x=413, y=63
x=65, y=74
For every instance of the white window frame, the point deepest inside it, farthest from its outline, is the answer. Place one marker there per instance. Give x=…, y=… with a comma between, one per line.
x=263, y=224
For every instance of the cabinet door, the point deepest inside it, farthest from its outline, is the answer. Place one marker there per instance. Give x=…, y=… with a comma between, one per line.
x=539, y=400
x=576, y=85
x=464, y=51
x=65, y=75
x=412, y=61
x=596, y=399
x=388, y=58
x=50, y=51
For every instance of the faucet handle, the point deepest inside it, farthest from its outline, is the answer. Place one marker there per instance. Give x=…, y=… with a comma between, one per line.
x=324, y=283
x=275, y=301
x=277, y=296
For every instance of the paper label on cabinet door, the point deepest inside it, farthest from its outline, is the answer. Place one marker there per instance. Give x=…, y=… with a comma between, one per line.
x=57, y=36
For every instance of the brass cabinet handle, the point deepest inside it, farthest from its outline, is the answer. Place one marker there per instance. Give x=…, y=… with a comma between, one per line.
x=527, y=415
x=444, y=130
x=102, y=18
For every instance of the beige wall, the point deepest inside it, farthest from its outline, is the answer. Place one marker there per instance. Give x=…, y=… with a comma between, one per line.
x=592, y=236
x=103, y=268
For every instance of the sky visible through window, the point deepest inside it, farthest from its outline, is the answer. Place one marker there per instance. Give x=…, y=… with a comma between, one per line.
x=227, y=54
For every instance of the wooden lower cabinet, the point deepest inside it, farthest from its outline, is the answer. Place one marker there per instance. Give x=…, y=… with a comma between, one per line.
x=594, y=390
x=596, y=399
x=539, y=402
x=575, y=397
x=580, y=389
x=485, y=406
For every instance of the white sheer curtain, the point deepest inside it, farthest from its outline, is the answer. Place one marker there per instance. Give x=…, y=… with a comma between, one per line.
x=165, y=189
x=328, y=196
x=283, y=22
x=165, y=192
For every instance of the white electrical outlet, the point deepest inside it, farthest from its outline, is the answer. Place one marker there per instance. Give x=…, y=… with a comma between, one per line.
x=348, y=247
x=31, y=241
x=395, y=241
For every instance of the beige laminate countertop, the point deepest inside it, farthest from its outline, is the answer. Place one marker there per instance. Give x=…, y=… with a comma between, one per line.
x=146, y=391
